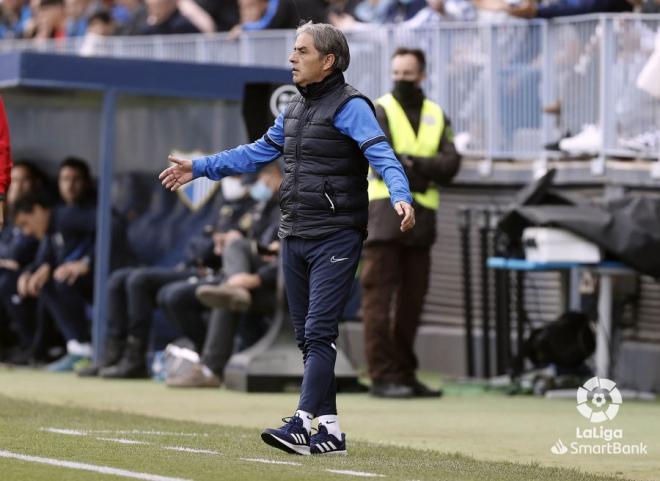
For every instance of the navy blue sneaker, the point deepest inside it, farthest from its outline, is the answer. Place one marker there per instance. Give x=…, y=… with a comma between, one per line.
x=292, y=437
x=325, y=443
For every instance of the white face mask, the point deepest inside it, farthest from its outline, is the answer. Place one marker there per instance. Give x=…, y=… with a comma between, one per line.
x=232, y=189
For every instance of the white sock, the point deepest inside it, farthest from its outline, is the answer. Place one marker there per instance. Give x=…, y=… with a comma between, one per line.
x=306, y=419
x=331, y=423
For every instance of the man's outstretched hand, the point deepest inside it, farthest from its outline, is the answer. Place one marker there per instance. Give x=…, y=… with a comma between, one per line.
x=408, y=212
x=177, y=175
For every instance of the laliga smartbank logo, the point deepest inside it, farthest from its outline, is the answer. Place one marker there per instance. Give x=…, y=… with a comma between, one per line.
x=599, y=401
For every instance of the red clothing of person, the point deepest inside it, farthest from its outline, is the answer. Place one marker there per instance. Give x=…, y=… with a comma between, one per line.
x=5, y=152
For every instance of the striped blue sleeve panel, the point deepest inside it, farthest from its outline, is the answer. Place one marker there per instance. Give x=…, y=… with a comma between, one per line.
x=357, y=120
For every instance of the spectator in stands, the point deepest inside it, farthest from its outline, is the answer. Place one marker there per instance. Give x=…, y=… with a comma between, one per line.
x=14, y=17
x=17, y=316
x=61, y=274
x=265, y=15
x=313, y=10
x=394, y=11
x=647, y=6
x=5, y=160
x=130, y=15
x=101, y=24
x=439, y=11
x=164, y=17
x=197, y=15
x=352, y=14
x=223, y=12
x=562, y=8
x=134, y=292
x=396, y=265
x=77, y=13
x=49, y=20
x=249, y=273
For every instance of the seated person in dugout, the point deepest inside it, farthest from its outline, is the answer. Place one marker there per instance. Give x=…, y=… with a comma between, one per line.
x=247, y=293
x=61, y=275
x=17, y=316
x=133, y=294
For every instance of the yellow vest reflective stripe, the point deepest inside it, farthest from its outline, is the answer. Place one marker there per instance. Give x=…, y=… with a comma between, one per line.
x=405, y=142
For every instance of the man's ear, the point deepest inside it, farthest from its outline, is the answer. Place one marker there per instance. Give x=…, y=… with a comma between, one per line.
x=329, y=61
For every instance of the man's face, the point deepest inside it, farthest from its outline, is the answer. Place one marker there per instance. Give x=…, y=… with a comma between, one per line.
x=71, y=184
x=252, y=10
x=405, y=67
x=21, y=183
x=308, y=65
x=33, y=223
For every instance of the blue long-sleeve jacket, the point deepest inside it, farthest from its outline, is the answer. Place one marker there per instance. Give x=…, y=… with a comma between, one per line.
x=355, y=119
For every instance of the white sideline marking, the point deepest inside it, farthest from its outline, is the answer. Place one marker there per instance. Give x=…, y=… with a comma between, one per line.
x=149, y=433
x=356, y=473
x=88, y=467
x=191, y=450
x=122, y=441
x=68, y=432
x=269, y=461
x=85, y=432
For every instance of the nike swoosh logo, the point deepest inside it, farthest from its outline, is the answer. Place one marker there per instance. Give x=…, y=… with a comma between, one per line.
x=330, y=422
x=333, y=259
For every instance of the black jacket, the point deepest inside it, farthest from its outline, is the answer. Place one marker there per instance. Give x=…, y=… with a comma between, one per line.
x=325, y=173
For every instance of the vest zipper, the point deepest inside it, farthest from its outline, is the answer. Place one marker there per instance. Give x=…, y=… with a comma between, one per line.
x=328, y=188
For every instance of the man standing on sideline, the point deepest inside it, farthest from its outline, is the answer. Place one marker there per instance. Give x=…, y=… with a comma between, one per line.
x=5, y=161
x=395, y=269
x=328, y=136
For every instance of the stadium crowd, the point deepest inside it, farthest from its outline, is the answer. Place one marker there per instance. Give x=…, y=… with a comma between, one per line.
x=25, y=19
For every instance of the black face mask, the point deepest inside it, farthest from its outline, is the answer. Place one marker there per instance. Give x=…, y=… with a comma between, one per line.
x=405, y=89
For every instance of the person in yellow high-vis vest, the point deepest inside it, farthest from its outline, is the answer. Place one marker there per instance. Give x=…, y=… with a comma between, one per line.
x=395, y=269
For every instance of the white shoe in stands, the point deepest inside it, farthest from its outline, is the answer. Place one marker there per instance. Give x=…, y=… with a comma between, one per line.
x=588, y=142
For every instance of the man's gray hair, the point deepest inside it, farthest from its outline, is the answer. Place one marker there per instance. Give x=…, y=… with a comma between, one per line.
x=328, y=40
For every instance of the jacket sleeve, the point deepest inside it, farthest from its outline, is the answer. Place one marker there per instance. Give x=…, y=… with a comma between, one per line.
x=244, y=158
x=5, y=153
x=442, y=167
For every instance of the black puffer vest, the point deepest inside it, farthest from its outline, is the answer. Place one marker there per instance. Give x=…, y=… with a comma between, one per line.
x=325, y=173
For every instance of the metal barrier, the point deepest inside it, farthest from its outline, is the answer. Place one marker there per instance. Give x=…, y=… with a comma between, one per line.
x=493, y=80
